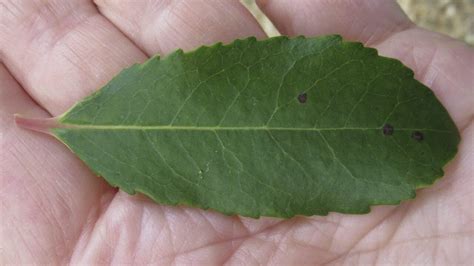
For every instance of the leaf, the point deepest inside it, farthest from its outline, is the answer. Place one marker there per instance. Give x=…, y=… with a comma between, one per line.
x=278, y=127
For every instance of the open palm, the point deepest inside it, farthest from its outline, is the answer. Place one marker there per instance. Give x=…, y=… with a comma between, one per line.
x=54, y=210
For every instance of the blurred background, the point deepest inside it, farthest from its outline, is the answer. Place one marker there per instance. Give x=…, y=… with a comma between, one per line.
x=452, y=17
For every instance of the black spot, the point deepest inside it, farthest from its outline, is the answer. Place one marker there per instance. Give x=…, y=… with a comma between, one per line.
x=303, y=97
x=417, y=135
x=387, y=130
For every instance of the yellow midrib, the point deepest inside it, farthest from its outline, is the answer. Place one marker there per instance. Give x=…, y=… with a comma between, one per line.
x=221, y=128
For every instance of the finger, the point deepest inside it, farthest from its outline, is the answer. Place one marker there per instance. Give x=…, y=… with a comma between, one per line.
x=368, y=21
x=60, y=51
x=445, y=65
x=163, y=26
x=41, y=217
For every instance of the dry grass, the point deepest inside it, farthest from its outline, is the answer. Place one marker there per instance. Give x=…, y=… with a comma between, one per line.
x=451, y=17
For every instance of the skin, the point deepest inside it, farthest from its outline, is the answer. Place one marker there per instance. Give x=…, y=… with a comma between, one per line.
x=54, y=210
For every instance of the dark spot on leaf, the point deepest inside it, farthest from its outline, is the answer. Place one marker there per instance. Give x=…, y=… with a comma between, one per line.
x=387, y=130
x=302, y=97
x=417, y=135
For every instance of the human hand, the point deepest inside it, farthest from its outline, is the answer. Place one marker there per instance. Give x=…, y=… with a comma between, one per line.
x=54, y=210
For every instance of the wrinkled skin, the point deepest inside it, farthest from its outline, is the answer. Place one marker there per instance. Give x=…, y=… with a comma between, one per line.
x=54, y=210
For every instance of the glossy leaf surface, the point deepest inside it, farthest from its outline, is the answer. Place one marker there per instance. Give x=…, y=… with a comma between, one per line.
x=279, y=127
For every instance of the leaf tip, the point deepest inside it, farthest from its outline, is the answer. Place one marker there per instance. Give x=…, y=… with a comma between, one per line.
x=36, y=124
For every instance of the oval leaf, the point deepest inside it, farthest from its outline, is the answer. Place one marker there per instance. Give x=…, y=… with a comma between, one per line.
x=278, y=127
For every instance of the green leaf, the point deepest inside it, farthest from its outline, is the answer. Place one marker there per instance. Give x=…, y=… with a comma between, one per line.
x=278, y=127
